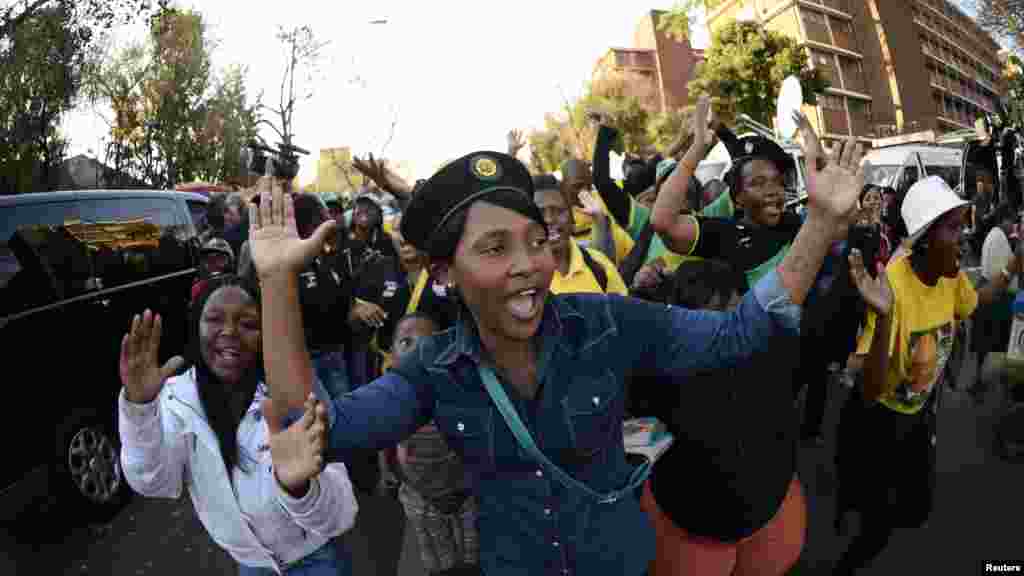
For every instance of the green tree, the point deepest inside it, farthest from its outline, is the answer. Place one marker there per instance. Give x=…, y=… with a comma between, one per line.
x=549, y=148
x=1004, y=19
x=744, y=68
x=174, y=120
x=45, y=50
x=231, y=123
x=302, y=56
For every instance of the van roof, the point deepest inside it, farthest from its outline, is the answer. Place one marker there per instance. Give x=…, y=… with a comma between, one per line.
x=78, y=195
x=930, y=155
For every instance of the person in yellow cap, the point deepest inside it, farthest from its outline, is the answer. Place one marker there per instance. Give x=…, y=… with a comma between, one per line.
x=577, y=178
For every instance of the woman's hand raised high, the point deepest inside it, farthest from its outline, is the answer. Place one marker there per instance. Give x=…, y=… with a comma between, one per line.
x=139, y=367
x=833, y=186
x=273, y=238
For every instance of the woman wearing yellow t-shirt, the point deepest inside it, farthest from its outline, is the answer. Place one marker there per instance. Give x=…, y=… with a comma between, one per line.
x=886, y=455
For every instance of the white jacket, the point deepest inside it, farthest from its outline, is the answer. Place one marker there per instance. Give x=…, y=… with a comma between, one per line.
x=168, y=443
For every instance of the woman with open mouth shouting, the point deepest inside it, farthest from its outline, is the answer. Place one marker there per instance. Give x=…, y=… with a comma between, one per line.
x=528, y=387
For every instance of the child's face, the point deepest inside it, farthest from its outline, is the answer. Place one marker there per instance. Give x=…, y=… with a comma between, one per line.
x=408, y=333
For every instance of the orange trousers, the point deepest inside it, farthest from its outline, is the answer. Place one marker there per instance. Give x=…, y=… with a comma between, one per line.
x=771, y=551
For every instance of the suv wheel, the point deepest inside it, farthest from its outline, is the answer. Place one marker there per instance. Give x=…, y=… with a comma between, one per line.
x=89, y=469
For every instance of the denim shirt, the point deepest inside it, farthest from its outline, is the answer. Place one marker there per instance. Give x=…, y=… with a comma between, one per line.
x=529, y=524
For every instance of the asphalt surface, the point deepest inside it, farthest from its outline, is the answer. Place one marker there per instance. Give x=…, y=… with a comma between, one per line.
x=977, y=519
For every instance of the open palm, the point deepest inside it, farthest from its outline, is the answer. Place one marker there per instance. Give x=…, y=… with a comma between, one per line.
x=834, y=185
x=139, y=368
x=273, y=237
x=876, y=292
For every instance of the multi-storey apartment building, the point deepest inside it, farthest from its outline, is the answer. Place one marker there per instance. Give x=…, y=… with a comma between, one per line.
x=896, y=66
x=663, y=64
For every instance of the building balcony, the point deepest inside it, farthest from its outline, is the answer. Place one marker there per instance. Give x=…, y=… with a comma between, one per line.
x=837, y=8
x=941, y=14
x=945, y=38
x=954, y=123
x=966, y=76
x=831, y=48
x=958, y=93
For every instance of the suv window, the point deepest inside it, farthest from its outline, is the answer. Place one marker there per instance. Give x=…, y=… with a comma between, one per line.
x=139, y=238
x=27, y=280
x=198, y=211
x=58, y=250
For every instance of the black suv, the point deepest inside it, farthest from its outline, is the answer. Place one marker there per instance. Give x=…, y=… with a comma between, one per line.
x=74, y=268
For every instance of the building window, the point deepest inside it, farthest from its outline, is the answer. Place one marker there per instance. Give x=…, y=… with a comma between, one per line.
x=860, y=117
x=827, y=64
x=853, y=74
x=815, y=26
x=842, y=34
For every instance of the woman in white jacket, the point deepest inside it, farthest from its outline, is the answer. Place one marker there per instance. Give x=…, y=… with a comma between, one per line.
x=206, y=430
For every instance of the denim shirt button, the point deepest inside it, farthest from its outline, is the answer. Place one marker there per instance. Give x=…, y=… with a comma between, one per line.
x=539, y=473
x=597, y=401
x=460, y=427
x=547, y=511
x=555, y=543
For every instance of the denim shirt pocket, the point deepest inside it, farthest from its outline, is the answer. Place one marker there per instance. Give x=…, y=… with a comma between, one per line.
x=469, y=431
x=593, y=413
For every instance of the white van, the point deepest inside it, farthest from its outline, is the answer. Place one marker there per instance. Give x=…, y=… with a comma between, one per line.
x=900, y=166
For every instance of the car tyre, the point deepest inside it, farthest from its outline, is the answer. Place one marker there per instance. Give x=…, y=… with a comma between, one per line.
x=90, y=482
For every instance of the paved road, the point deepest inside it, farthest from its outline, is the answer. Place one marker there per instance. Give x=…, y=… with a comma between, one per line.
x=977, y=519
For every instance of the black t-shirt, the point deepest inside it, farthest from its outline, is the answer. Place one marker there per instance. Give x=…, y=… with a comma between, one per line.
x=325, y=297
x=743, y=246
x=735, y=449
x=434, y=301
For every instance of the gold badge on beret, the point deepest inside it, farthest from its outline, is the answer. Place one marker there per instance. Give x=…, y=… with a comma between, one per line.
x=486, y=168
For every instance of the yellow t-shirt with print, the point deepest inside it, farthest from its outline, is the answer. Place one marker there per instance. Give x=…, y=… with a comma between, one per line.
x=923, y=326
x=584, y=231
x=580, y=280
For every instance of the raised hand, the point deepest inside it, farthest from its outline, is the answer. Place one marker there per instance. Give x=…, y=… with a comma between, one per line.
x=372, y=169
x=835, y=188
x=811, y=140
x=273, y=239
x=699, y=120
x=368, y=313
x=297, y=451
x=139, y=367
x=516, y=141
x=876, y=292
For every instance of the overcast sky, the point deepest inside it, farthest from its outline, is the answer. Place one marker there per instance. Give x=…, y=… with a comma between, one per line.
x=456, y=74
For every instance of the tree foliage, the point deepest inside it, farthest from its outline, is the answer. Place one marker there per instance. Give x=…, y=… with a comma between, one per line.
x=302, y=55
x=1004, y=19
x=744, y=68
x=627, y=101
x=173, y=119
x=45, y=49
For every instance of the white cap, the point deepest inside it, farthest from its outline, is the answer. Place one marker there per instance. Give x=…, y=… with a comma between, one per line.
x=927, y=201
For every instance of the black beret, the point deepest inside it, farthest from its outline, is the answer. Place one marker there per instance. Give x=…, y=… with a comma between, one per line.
x=750, y=147
x=457, y=185
x=761, y=147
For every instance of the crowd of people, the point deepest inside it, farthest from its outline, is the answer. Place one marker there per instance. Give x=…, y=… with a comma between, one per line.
x=479, y=354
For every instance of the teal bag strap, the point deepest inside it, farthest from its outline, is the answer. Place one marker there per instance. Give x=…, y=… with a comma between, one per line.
x=508, y=412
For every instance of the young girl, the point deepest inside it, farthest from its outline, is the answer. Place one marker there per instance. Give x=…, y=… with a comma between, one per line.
x=437, y=501
x=207, y=430
x=527, y=388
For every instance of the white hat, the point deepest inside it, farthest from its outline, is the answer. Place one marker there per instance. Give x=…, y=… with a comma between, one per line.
x=927, y=201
